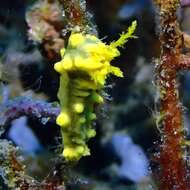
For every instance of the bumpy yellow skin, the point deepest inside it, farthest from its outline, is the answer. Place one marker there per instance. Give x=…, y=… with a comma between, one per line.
x=84, y=67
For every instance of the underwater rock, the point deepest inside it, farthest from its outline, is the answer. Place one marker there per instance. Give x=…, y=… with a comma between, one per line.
x=185, y=2
x=129, y=10
x=134, y=163
x=24, y=137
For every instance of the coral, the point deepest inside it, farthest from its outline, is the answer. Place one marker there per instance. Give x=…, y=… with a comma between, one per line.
x=46, y=23
x=20, y=106
x=77, y=17
x=14, y=175
x=50, y=22
x=84, y=68
x=173, y=171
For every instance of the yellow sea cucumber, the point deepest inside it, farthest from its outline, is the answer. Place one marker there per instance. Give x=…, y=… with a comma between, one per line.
x=83, y=70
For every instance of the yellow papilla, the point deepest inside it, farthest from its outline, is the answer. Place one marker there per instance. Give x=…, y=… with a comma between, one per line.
x=63, y=119
x=91, y=133
x=76, y=40
x=72, y=153
x=62, y=52
x=95, y=97
x=67, y=63
x=58, y=67
x=116, y=71
x=78, y=107
x=92, y=116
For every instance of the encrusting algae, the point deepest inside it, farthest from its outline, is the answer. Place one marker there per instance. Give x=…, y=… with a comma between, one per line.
x=83, y=70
